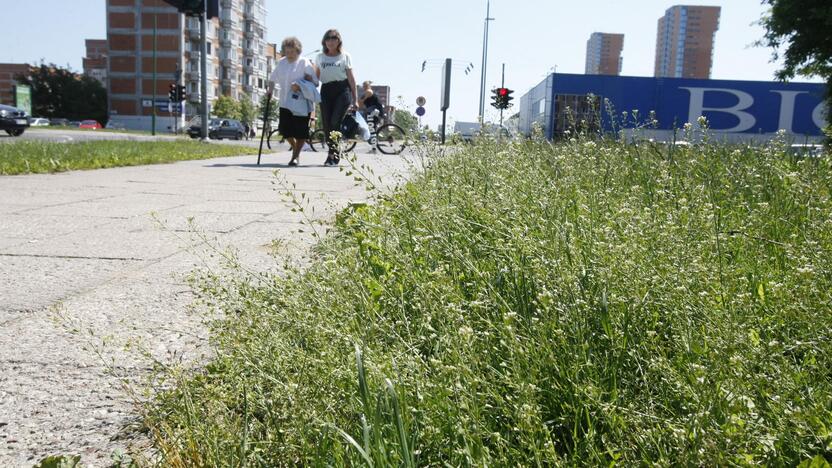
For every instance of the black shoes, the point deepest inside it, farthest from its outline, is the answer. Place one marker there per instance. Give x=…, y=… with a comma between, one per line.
x=293, y=162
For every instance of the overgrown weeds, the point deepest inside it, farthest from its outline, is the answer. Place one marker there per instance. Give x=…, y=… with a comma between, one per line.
x=534, y=304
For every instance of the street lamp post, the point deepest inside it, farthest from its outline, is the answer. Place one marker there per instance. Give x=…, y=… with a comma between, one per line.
x=484, y=58
x=203, y=65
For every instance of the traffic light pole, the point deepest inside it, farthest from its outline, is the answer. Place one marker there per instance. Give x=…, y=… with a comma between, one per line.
x=503, y=85
x=203, y=65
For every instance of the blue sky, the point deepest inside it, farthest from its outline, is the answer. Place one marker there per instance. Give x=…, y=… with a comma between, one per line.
x=390, y=39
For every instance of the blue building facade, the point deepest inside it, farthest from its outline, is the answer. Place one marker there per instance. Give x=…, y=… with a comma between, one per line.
x=738, y=110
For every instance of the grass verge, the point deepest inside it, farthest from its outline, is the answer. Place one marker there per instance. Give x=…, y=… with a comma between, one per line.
x=534, y=305
x=34, y=157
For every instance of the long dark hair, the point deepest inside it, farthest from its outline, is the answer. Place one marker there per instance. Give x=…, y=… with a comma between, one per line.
x=331, y=32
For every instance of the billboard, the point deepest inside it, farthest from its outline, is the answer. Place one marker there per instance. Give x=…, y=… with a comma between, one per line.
x=23, y=98
x=731, y=107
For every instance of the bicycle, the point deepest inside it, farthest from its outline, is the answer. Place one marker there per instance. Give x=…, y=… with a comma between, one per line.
x=387, y=137
x=316, y=137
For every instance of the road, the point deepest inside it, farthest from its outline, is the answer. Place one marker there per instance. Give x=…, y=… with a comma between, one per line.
x=93, y=268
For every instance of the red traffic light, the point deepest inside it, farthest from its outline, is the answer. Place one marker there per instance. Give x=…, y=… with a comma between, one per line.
x=502, y=91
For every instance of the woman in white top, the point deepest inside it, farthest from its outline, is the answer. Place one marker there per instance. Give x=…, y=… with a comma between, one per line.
x=338, y=92
x=291, y=69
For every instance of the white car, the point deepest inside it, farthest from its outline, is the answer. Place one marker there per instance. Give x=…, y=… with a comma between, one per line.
x=39, y=122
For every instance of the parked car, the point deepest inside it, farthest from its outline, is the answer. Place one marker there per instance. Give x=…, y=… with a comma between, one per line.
x=219, y=129
x=13, y=120
x=90, y=124
x=469, y=131
x=58, y=122
x=39, y=122
x=74, y=123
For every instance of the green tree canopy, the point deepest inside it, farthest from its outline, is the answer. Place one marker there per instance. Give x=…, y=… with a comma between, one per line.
x=405, y=120
x=226, y=107
x=248, y=112
x=803, y=28
x=60, y=93
x=273, y=106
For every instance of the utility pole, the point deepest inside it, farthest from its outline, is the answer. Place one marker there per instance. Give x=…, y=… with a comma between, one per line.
x=203, y=65
x=153, y=132
x=484, y=58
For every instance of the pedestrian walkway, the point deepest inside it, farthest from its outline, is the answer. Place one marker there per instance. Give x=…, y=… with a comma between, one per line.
x=92, y=270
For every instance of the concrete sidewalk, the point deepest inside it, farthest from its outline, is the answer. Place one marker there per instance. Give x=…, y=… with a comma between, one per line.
x=86, y=271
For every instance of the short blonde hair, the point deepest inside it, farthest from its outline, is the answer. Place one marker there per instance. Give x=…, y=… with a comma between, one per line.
x=367, y=83
x=292, y=42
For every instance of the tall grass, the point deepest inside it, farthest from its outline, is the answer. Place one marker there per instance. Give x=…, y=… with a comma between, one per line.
x=35, y=157
x=531, y=304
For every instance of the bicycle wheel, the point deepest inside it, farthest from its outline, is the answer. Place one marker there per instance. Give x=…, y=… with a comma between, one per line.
x=277, y=138
x=317, y=140
x=348, y=146
x=391, y=139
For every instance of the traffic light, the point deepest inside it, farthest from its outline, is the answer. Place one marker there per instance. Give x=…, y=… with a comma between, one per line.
x=496, y=99
x=181, y=95
x=507, y=98
x=502, y=98
x=172, y=92
x=196, y=7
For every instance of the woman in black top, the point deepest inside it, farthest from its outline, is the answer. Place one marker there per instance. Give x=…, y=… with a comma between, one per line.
x=370, y=102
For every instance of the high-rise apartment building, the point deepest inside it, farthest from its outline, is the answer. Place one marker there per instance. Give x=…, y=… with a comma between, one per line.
x=685, y=42
x=237, y=57
x=603, y=54
x=95, y=61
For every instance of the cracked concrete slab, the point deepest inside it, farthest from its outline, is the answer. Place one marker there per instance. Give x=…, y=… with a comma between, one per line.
x=93, y=282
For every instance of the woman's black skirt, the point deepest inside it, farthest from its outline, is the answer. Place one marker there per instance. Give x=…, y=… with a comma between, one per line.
x=292, y=126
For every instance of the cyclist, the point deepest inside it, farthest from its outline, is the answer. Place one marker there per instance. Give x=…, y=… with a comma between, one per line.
x=370, y=104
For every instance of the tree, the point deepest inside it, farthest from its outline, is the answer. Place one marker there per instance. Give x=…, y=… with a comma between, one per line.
x=273, y=112
x=802, y=26
x=227, y=108
x=405, y=120
x=60, y=93
x=248, y=113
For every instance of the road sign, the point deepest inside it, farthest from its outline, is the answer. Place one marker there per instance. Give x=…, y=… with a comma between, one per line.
x=420, y=111
x=23, y=98
x=167, y=106
x=420, y=101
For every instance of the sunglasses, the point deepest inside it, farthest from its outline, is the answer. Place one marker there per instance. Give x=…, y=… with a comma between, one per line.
x=332, y=38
